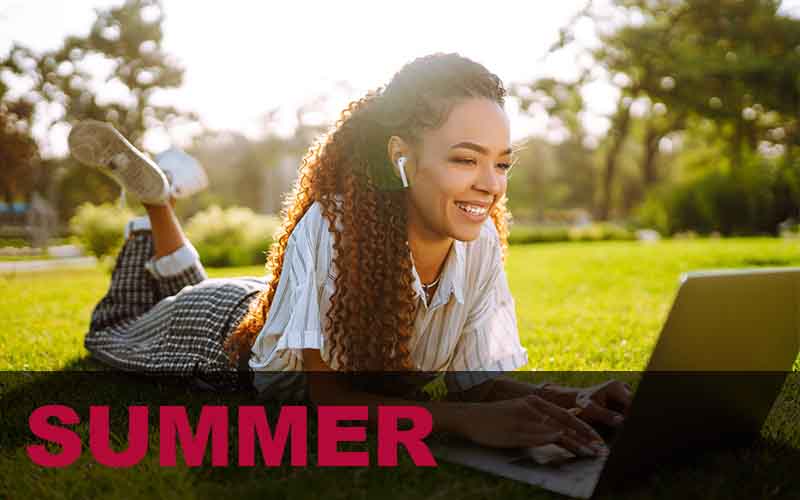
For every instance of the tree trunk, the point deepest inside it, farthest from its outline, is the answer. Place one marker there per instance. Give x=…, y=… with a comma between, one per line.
x=651, y=141
x=738, y=140
x=618, y=133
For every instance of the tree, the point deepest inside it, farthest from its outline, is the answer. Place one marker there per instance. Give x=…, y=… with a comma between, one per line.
x=18, y=151
x=733, y=63
x=128, y=39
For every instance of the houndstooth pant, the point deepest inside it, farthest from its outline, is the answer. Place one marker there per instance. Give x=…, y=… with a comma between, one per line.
x=168, y=324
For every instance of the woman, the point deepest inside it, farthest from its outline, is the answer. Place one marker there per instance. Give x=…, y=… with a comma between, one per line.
x=389, y=258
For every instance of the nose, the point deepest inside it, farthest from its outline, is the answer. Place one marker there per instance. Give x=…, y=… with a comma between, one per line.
x=490, y=181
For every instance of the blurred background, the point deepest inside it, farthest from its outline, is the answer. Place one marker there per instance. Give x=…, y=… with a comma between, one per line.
x=636, y=119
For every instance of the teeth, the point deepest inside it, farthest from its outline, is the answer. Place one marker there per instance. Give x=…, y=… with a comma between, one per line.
x=472, y=209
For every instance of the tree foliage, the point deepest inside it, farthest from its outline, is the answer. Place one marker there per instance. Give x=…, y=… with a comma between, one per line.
x=112, y=74
x=729, y=65
x=18, y=151
x=127, y=40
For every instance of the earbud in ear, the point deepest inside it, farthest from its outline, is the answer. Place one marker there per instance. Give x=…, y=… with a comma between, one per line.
x=401, y=164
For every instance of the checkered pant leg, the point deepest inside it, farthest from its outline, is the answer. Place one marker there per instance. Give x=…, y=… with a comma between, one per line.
x=183, y=333
x=134, y=290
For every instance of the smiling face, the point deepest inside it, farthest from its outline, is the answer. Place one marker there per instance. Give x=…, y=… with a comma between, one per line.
x=458, y=172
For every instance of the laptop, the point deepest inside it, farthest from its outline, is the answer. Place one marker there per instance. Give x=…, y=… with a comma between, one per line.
x=720, y=361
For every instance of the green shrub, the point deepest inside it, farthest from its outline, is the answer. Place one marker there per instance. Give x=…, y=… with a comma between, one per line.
x=99, y=228
x=14, y=242
x=653, y=213
x=601, y=231
x=537, y=234
x=751, y=199
x=521, y=234
x=232, y=236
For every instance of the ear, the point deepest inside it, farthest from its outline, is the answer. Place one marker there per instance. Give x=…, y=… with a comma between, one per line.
x=397, y=148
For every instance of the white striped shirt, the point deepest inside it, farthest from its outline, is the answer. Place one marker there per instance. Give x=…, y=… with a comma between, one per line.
x=470, y=325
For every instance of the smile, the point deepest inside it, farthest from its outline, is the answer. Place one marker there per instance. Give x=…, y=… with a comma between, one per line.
x=474, y=210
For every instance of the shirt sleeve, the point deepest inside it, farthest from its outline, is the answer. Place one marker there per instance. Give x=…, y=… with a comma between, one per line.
x=294, y=319
x=489, y=342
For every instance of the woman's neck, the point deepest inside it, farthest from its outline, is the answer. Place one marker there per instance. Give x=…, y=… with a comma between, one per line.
x=429, y=253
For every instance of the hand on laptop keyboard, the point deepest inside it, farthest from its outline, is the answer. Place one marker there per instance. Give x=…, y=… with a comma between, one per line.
x=605, y=403
x=528, y=421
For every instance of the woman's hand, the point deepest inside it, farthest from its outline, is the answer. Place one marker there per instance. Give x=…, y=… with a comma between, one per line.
x=605, y=403
x=528, y=421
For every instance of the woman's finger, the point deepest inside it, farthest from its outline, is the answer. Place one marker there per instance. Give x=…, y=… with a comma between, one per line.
x=567, y=419
x=533, y=437
x=593, y=412
x=621, y=394
x=610, y=393
x=539, y=438
x=539, y=423
x=560, y=439
x=576, y=447
x=559, y=433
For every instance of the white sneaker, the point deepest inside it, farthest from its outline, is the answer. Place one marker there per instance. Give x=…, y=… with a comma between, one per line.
x=99, y=145
x=185, y=175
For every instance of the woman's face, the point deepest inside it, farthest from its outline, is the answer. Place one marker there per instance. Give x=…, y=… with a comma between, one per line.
x=460, y=171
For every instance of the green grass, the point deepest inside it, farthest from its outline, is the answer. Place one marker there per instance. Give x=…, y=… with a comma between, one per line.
x=23, y=258
x=580, y=306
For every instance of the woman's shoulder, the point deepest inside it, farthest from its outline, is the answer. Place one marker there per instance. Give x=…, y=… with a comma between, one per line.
x=487, y=244
x=312, y=224
x=309, y=250
x=482, y=256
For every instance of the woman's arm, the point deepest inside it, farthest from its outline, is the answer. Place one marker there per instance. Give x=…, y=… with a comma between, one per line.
x=325, y=388
x=517, y=422
x=502, y=387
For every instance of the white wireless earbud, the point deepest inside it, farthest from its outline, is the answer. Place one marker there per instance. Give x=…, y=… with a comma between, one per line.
x=401, y=164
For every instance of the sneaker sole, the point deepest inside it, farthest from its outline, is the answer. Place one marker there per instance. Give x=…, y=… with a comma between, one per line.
x=95, y=143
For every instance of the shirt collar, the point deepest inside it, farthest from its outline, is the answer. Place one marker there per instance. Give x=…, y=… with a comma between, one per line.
x=452, y=277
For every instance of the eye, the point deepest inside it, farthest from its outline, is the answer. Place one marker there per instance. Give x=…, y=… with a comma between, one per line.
x=506, y=168
x=466, y=161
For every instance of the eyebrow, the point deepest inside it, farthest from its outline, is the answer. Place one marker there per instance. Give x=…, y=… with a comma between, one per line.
x=478, y=148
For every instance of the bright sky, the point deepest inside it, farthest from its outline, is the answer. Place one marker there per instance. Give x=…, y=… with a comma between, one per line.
x=247, y=57
x=243, y=58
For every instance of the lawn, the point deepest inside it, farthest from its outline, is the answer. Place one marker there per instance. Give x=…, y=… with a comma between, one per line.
x=23, y=258
x=580, y=306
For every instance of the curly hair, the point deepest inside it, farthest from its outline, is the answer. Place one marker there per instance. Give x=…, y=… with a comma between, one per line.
x=371, y=317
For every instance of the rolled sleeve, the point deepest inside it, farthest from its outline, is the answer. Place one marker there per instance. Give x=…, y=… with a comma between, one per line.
x=294, y=319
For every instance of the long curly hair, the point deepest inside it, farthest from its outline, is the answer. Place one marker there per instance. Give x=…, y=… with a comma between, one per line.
x=371, y=317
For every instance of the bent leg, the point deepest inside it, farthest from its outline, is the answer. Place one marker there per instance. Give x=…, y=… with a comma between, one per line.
x=163, y=315
x=139, y=282
x=183, y=334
